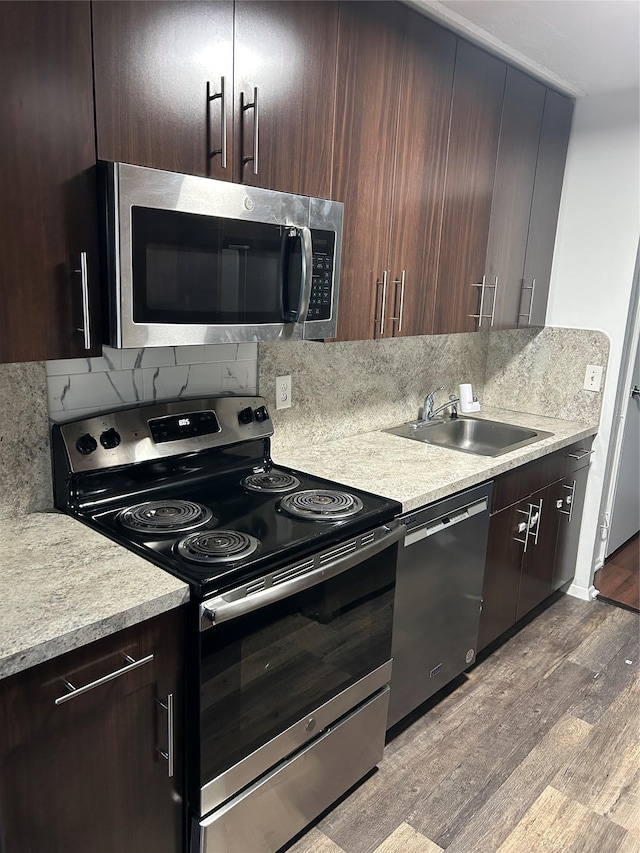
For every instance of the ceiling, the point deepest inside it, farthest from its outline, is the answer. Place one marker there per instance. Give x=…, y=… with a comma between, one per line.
x=584, y=47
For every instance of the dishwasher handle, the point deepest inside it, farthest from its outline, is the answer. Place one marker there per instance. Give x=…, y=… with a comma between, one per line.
x=445, y=521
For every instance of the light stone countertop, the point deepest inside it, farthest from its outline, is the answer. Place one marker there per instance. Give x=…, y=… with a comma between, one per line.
x=63, y=585
x=415, y=473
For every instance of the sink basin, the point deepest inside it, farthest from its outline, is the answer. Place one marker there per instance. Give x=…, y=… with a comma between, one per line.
x=470, y=435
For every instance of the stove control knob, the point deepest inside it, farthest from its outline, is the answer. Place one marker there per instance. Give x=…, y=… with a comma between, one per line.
x=110, y=439
x=261, y=414
x=245, y=416
x=86, y=444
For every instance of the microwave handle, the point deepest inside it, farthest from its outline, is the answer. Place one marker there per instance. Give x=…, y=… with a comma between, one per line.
x=304, y=235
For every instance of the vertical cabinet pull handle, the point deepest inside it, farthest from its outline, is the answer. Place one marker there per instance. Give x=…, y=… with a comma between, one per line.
x=523, y=527
x=86, y=317
x=400, y=281
x=480, y=315
x=532, y=288
x=569, y=501
x=495, y=296
x=168, y=754
x=253, y=105
x=383, y=306
x=223, y=121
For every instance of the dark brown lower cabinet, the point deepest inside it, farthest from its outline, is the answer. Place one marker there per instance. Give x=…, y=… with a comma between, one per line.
x=533, y=536
x=88, y=775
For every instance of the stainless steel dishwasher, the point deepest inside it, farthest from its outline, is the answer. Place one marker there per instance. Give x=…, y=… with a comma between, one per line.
x=438, y=596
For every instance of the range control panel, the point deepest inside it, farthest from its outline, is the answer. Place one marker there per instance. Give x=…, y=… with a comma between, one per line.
x=159, y=430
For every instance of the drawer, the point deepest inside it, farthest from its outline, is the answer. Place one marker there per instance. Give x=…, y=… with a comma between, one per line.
x=134, y=657
x=515, y=485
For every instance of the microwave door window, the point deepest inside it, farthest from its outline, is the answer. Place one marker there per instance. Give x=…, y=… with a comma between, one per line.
x=194, y=269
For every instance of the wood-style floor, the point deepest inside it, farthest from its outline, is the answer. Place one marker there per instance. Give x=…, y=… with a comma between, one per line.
x=619, y=579
x=536, y=751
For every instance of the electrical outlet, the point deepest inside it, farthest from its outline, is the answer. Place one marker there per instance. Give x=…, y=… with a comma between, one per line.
x=593, y=377
x=283, y=392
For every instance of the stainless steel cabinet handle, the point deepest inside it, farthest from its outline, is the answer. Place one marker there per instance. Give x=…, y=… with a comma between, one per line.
x=580, y=454
x=168, y=754
x=534, y=521
x=524, y=529
x=253, y=105
x=86, y=317
x=400, y=281
x=383, y=307
x=482, y=285
x=223, y=121
x=495, y=296
x=77, y=691
x=569, y=501
x=532, y=288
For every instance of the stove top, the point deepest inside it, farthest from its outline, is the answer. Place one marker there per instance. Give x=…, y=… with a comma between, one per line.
x=206, y=505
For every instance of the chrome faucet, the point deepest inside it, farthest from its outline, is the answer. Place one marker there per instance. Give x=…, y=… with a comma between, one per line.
x=428, y=412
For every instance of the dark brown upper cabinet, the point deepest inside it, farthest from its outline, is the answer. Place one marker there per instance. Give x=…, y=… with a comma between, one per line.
x=241, y=93
x=512, y=195
x=533, y=145
x=47, y=204
x=545, y=206
x=473, y=147
x=420, y=163
x=395, y=73
x=286, y=52
x=160, y=69
x=370, y=41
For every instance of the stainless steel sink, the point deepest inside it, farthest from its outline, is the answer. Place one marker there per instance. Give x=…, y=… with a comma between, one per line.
x=470, y=435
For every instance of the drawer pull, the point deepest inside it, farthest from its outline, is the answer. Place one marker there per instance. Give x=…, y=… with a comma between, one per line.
x=77, y=691
x=580, y=455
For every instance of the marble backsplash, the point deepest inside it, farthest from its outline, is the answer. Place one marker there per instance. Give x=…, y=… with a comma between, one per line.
x=541, y=371
x=342, y=389
x=82, y=386
x=338, y=389
x=25, y=458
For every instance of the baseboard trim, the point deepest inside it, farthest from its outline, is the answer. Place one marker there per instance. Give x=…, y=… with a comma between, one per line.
x=585, y=593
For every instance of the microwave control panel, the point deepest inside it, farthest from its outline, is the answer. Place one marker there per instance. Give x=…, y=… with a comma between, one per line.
x=322, y=278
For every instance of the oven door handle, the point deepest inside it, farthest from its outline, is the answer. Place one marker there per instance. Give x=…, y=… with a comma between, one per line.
x=228, y=606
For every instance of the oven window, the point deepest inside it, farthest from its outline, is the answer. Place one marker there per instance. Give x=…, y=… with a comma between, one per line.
x=210, y=270
x=266, y=670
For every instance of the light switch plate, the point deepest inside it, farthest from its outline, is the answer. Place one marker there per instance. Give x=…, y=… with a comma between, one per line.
x=283, y=392
x=593, y=377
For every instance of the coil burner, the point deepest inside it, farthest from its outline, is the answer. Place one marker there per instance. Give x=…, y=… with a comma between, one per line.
x=321, y=505
x=167, y=516
x=216, y=546
x=269, y=482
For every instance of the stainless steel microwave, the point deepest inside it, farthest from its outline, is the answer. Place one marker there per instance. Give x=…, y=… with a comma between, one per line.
x=192, y=260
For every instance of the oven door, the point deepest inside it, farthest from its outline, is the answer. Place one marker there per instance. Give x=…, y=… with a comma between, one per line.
x=286, y=657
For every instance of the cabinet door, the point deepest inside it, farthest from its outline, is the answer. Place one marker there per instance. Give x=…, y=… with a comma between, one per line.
x=87, y=775
x=512, y=196
x=473, y=146
x=287, y=50
x=370, y=44
x=502, y=573
x=538, y=561
x=47, y=202
x=156, y=67
x=554, y=141
x=569, y=504
x=416, y=211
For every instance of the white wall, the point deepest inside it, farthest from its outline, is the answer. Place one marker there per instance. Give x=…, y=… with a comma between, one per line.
x=596, y=245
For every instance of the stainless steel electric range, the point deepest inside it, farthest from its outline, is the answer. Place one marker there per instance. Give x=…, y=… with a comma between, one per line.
x=292, y=584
